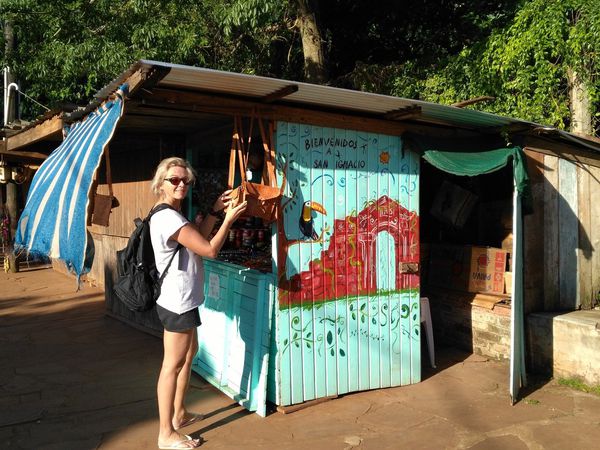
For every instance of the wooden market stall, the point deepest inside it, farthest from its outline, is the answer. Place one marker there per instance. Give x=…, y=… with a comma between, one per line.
x=326, y=300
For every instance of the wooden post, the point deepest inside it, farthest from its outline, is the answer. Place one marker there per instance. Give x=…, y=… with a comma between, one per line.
x=11, y=188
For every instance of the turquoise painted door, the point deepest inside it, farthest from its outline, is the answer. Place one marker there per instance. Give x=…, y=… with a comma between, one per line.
x=234, y=337
x=347, y=315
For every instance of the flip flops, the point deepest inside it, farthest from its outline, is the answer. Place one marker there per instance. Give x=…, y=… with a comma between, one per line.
x=179, y=445
x=193, y=419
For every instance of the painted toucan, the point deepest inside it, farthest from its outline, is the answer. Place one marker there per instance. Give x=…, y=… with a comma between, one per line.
x=306, y=220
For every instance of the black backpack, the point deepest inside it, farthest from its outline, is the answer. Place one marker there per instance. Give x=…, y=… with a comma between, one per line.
x=138, y=284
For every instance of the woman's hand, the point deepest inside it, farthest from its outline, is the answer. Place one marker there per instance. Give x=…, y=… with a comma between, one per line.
x=233, y=213
x=222, y=201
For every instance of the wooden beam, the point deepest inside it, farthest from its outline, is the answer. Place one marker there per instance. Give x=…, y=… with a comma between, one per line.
x=147, y=77
x=135, y=80
x=472, y=101
x=46, y=129
x=203, y=102
x=410, y=112
x=566, y=151
x=279, y=94
x=134, y=107
x=34, y=156
x=585, y=248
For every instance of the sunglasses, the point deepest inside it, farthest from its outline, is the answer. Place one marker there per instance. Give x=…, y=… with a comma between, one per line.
x=176, y=180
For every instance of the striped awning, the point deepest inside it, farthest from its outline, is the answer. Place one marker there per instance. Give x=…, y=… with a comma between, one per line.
x=54, y=220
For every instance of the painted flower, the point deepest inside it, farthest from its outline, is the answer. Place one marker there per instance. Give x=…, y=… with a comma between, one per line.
x=384, y=157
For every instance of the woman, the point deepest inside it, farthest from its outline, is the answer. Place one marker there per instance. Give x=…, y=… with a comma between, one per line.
x=181, y=291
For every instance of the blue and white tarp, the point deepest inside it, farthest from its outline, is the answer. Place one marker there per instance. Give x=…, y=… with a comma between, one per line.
x=54, y=220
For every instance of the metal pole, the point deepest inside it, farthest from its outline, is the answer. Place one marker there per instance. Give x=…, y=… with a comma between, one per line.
x=10, y=108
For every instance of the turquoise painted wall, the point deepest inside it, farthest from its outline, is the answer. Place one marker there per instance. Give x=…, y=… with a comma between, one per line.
x=347, y=315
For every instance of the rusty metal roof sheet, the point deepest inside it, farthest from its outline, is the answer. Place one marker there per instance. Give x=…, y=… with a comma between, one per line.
x=253, y=86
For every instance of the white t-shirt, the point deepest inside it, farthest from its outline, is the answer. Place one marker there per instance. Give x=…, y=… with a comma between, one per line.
x=183, y=286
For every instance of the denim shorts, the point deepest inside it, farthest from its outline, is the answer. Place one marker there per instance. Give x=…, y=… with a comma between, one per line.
x=178, y=322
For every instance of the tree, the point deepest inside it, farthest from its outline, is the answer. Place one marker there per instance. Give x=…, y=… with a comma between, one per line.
x=278, y=22
x=536, y=57
x=536, y=67
x=69, y=50
x=372, y=43
x=312, y=42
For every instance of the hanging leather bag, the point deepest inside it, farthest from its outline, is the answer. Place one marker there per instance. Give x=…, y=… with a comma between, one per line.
x=103, y=204
x=263, y=198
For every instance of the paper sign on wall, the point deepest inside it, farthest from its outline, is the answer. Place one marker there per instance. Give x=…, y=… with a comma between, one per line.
x=213, y=285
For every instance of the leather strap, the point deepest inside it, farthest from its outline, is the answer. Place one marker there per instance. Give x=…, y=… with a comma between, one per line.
x=239, y=150
x=154, y=210
x=108, y=174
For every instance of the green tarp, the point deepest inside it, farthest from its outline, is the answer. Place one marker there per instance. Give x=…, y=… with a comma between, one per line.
x=479, y=163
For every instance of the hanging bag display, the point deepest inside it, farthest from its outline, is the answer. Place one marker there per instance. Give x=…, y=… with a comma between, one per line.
x=263, y=198
x=103, y=203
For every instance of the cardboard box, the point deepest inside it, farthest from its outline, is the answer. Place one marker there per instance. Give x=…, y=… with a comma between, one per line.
x=487, y=269
x=508, y=282
x=467, y=268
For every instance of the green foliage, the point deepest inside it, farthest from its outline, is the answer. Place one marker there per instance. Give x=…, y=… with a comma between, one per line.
x=259, y=38
x=66, y=51
x=523, y=65
x=575, y=383
x=518, y=51
x=388, y=34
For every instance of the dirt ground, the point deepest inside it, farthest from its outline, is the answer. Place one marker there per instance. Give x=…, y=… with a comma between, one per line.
x=73, y=378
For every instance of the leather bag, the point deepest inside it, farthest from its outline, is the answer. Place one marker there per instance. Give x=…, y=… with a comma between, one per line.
x=263, y=198
x=103, y=204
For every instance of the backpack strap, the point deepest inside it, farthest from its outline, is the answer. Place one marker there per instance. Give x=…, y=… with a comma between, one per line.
x=158, y=208
x=153, y=211
x=160, y=280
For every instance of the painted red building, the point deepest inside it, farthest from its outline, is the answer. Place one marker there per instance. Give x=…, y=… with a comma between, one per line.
x=349, y=265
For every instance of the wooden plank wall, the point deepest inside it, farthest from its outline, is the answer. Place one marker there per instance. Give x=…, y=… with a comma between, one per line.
x=133, y=160
x=533, y=244
x=589, y=236
x=571, y=231
x=135, y=200
x=568, y=213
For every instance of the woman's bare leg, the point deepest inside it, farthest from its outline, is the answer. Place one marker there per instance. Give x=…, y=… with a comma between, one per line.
x=183, y=381
x=176, y=348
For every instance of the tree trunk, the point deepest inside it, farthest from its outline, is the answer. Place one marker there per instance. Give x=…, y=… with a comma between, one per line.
x=581, y=111
x=312, y=44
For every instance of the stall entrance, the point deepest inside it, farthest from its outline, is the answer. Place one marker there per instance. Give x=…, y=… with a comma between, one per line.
x=470, y=247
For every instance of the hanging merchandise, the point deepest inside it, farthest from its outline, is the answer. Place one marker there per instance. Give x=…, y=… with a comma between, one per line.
x=453, y=204
x=103, y=204
x=18, y=174
x=5, y=172
x=263, y=199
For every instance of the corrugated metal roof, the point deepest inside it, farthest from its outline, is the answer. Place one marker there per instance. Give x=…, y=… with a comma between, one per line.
x=253, y=86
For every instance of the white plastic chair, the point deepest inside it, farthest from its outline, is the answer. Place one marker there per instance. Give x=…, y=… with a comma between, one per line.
x=426, y=319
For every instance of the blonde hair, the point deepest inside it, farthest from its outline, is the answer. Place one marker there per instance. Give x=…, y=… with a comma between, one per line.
x=163, y=169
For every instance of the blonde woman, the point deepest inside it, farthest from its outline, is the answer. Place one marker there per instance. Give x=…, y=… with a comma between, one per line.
x=182, y=290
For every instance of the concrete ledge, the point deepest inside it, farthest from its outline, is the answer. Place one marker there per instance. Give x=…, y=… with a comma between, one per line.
x=565, y=344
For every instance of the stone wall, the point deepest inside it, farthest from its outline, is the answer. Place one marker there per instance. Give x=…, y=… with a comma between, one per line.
x=473, y=322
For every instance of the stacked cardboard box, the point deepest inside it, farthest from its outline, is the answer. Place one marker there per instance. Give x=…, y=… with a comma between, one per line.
x=467, y=268
x=487, y=269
